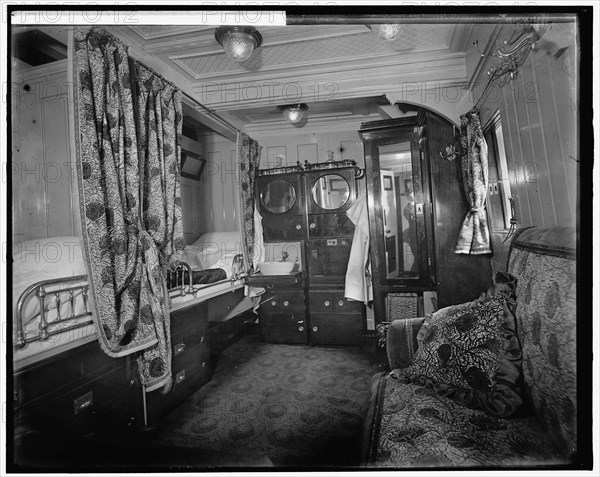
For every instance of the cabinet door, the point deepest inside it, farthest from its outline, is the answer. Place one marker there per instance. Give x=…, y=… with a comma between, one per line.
x=283, y=229
x=286, y=328
x=328, y=257
x=336, y=329
x=330, y=225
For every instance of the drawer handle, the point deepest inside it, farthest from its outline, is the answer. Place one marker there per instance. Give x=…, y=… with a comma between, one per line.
x=312, y=226
x=326, y=303
x=341, y=303
x=315, y=329
x=301, y=328
x=179, y=348
x=180, y=376
x=286, y=303
x=83, y=402
x=270, y=285
x=273, y=303
x=298, y=227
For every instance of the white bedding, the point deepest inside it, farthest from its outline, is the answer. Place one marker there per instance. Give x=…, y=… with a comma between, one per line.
x=47, y=259
x=214, y=250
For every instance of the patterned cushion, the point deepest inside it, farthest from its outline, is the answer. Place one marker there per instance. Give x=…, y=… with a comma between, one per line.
x=421, y=429
x=470, y=353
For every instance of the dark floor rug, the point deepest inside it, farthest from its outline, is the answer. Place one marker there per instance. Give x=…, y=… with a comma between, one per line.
x=292, y=406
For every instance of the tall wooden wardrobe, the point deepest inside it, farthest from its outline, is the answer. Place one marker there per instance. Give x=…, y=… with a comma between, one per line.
x=416, y=209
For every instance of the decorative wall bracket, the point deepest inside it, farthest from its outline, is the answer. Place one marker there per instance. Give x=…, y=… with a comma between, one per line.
x=451, y=153
x=512, y=54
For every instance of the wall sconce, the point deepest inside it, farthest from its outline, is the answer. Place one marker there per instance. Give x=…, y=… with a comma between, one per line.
x=513, y=55
x=239, y=42
x=386, y=31
x=293, y=113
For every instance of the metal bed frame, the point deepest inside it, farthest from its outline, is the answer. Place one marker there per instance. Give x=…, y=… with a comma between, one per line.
x=46, y=290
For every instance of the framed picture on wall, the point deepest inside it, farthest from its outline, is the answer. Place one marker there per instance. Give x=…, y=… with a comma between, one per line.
x=192, y=165
x=387, y=183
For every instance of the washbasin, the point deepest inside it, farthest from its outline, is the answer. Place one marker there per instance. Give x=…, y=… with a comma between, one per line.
x=276, y=268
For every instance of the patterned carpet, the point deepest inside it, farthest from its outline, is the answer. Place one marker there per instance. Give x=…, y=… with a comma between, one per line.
x=292, y=406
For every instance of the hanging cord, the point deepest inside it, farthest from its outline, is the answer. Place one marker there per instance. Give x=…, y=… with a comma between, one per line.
x=513, y=221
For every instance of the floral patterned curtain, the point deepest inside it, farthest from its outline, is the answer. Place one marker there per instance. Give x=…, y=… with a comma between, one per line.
x=159, y=125
x=126, y=252
x=249, y=161
x=474, y=236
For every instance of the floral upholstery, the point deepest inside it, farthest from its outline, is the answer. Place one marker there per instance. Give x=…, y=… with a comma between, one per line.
x=415, y=427
x=421, y=429
x=543, y=261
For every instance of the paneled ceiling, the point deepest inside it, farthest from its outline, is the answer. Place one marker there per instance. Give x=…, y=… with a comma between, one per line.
x=342, y=72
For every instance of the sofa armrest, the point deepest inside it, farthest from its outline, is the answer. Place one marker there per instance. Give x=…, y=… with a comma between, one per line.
x=401, y=341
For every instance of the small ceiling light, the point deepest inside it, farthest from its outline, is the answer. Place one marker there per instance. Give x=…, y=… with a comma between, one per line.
x=386, y=31
x=239, y=42
x=293, y=113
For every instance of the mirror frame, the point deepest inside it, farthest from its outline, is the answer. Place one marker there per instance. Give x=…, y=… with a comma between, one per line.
x=321, y=177
x=266, y=185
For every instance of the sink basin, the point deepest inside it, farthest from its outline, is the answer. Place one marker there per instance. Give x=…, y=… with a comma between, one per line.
x=276, y=268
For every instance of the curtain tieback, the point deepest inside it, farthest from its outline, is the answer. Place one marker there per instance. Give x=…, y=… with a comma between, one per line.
x=477, y=209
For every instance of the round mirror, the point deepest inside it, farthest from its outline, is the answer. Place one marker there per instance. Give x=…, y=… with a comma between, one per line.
x=278, y=196
x=330, y=191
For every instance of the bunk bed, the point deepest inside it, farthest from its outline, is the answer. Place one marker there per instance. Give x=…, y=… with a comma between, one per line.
x=61, y=375
x=51, y=301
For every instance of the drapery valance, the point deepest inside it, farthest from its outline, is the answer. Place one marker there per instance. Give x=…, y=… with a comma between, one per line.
x=474, y=236
x=127, y=143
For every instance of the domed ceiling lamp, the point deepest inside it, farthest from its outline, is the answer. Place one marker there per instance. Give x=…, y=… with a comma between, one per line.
x=239, y=42
x=293, y=113
x=386, y=31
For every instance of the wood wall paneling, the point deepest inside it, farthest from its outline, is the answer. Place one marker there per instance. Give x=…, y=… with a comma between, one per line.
x=539, y=120
x=42, y=176
x=308, y=152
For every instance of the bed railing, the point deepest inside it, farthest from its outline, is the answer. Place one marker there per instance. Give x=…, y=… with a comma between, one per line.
x=45, y=291
x=182, y=287
x=48, y=290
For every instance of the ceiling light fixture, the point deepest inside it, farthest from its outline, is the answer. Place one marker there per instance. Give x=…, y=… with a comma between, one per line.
x=293, y=113
x=386, y=31
x=239, y=42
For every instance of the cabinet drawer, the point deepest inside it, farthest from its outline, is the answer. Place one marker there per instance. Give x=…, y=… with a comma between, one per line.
x=187, y=346
x=190, y=372
x=187, y=319
x=65, y=371
x=321, y=302
x=282, y=328
x=291, y=302
x=343, y=305
x=74, y=409
x=337, y=329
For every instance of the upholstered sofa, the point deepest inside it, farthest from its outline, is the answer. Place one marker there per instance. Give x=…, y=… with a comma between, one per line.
x=412, y=424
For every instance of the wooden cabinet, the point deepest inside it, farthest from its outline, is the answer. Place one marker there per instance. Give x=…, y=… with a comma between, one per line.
x=282, y=313
x=335, y=320
x=191, y=363
x=309, y=205
x=79, y=392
